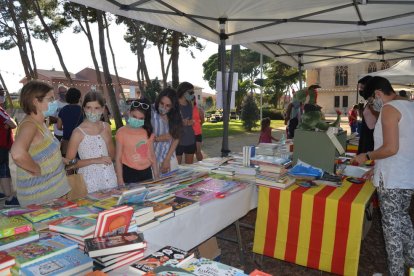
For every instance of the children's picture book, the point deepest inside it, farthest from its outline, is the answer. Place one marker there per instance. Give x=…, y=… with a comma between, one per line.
x=13, y=241
x=215, y=185
x=167, y=270
x=9, y=212
x=84, y=202
x=206, y=267
x=44, y=224
x=114, y=221
x=103, y=246
x=6, y=260
x=10, y=226
x=158, y=207
x=197, y=194
x=105, y=194
x=107, y=203
x=74, y=225
x=41, y=214
x=83, y=211
x=55, y=204
x=136, y=195
x=28, y=254
x=168, y=255
x=72, y=262
x=181, y=205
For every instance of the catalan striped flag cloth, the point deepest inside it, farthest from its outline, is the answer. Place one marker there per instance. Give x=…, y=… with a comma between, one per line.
x=318, y=227
x=352, y=148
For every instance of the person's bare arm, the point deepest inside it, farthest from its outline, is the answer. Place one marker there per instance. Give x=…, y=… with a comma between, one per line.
x=109, y=142
x=20, y=148
x=59, y=124
x=118, y=164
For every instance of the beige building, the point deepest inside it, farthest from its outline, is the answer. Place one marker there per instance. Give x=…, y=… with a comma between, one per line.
x=339, y=84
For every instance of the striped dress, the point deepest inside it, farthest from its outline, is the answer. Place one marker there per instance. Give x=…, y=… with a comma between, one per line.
x=52, y=183
x=160, y=127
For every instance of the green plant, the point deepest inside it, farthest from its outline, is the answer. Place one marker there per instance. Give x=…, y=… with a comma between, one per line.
x=273, y=114
x=250, y=113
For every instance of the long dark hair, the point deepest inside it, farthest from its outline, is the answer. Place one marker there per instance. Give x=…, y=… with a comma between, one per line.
x=184, y=87
x=147, y=113
x=174, y=115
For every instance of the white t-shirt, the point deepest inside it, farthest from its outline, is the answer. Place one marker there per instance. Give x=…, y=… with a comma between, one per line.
x=56, y=131
x=398, y=170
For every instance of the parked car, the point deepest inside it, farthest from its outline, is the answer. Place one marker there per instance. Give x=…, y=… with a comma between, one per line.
x=233, y=115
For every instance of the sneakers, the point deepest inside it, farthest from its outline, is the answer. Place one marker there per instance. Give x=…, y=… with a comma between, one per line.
x=2, y=196
x=13, y=202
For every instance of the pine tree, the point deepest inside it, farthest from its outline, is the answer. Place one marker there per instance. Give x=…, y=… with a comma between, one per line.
x=250, y=113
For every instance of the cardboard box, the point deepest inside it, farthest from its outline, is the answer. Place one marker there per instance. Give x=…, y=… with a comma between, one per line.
x=209, y=249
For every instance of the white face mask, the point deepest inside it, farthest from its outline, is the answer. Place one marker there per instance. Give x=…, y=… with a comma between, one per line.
x=377, y=104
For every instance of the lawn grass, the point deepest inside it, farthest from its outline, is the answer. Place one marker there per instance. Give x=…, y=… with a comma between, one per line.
x=211, y=130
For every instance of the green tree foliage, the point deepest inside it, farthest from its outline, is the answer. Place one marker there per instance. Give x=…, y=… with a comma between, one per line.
x=279, y=78
x=209, y=102
x=152, y=90
x=250, y=113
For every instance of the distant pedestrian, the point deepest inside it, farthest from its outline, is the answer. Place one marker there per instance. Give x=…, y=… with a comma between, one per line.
x=353, y=118
x=266, y=132
x=198, y=117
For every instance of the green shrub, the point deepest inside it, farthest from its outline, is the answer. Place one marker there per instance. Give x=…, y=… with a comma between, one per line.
x=273, y=114
x=250, y=113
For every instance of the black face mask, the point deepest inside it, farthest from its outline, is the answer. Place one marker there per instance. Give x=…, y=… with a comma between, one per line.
x=364, y=94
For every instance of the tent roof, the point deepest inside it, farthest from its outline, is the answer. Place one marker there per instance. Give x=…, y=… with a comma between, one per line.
x=400, y=73
x=275, y=23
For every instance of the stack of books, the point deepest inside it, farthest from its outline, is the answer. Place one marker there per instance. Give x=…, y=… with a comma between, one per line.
x=11, y=226
x=168, y=256
x=111, y=252
x=56, y=204
x=143, y=216
x=267, y=149
x=273, y=171
x=6, y=263
x=76, y=229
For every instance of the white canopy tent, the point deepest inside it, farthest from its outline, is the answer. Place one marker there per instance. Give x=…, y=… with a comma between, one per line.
x=333, y=26
x=400, y=73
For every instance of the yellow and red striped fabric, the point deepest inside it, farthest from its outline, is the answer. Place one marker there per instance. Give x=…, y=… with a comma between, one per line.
x=317, y=227
x=352, y=148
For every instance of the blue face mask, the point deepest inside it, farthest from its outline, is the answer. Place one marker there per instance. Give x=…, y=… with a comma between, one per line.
x=135, y=123
x=93, y=117
x=51, y=109
x=163, y=110
x=188, y=96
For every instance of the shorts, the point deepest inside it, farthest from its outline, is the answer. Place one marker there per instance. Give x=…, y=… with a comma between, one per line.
x=132, y=175
x=199, y=138
x=4, y=163
x=190, y=149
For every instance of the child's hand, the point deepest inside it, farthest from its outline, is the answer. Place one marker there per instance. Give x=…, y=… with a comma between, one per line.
x=165, y=166
x=106, y=160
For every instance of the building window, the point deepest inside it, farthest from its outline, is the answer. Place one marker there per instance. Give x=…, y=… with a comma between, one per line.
x=341, y=75
x=372, y=67
x=336, y=101
x=344, y=101
x=385, y=65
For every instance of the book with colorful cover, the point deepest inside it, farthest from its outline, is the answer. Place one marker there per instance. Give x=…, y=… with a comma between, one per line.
x=106, y=203
x=215, y=185
x=114, y=221
x=136, y=195
x=103, y=246
x=72, y=262
x=181, y=205
x=9, y=212
x=15, y=240
x=206, y=267
x=6, y=260
x=105, y=194
x=197, y=194
x=167, y=255
x=55, y=204
x=41, y=214
x=28, y=254
x=158, y=207
x=83, y=211
x=44, y=224
x=84, y=202
x=74, y=225
x=10, y=226
x=167, y=270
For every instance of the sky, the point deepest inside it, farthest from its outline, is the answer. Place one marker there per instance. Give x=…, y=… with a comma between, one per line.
x=76, y=55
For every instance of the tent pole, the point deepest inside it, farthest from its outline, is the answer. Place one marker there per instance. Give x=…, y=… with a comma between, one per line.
x=261, y=87
x=222, y=49
x=300, y=67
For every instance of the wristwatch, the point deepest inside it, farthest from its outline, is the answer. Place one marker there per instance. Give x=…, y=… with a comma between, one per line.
x=367, y=156
x=73, y=161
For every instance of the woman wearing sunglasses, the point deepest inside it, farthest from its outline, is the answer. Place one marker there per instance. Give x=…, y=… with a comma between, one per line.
x=135, y=146
x=187, y=144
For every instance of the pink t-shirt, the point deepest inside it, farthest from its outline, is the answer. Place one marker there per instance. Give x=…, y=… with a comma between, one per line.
x=136, y=147
x=266, y=135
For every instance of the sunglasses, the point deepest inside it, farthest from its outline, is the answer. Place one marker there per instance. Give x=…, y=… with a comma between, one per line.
x=137, y=104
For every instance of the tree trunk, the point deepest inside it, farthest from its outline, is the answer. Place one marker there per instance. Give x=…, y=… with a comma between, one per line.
x=108, y=80
x=88, y=34
x=29, y=40
x=21, y=43
x=52, y=39
x=10, y=106
x=141, y=55
x=121, y=90
x=175, y=47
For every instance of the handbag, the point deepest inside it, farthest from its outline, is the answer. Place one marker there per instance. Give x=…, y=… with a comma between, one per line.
x=77, y=185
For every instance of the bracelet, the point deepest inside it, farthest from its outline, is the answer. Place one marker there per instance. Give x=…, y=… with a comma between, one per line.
x=367, y=156
x=73, y=161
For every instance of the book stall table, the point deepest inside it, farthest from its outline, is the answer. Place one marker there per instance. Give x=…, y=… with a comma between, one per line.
x=190, y=229
x=318, y=227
